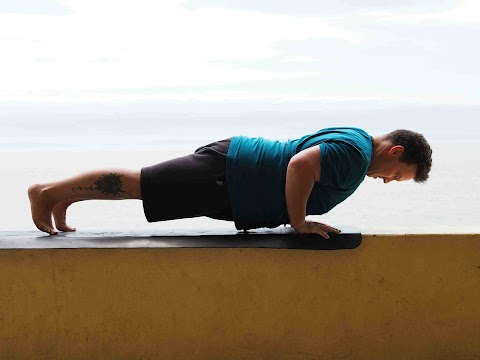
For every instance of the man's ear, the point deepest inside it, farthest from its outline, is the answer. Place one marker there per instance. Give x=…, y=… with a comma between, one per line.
x=396, y=150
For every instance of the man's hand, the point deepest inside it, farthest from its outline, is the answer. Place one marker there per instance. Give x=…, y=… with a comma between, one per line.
x=313, y=227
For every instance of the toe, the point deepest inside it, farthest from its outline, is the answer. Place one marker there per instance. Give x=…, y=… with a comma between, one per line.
x=46, y=228
x=66, y=228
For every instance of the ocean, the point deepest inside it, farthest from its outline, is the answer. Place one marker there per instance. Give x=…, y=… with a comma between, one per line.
x=153, y=125
x=42, y=142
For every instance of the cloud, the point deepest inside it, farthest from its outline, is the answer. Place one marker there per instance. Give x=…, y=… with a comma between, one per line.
x=170, y=49
x=44, y=7
x=321, y=7
x=464, y=12
x=112, y=45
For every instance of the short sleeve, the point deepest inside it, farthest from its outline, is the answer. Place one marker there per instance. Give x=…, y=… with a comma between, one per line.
x=342, y=165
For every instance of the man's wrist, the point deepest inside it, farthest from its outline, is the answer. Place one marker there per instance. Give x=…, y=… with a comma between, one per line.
x=297, y=224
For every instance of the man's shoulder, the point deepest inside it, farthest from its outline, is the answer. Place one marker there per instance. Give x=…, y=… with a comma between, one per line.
x=346, y=157
x=342, y=133
x=351, y=140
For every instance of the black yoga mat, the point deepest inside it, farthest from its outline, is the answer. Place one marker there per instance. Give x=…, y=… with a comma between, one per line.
x=279, y=238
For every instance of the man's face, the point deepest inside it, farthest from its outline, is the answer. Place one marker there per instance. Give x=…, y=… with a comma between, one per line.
x=390, y=168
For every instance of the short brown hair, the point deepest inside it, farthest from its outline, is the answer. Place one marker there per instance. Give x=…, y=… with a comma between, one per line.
x=417, y=151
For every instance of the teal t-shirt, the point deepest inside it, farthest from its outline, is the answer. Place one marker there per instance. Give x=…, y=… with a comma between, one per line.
x=257, y=167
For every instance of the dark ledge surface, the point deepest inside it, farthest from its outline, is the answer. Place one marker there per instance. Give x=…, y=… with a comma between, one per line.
x=279, y=238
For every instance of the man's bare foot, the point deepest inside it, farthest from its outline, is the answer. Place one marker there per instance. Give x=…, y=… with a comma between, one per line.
x=60, y=215
x=41, y=208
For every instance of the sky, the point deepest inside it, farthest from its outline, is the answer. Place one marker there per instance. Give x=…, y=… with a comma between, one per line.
x=150, y=74
x=113, y=51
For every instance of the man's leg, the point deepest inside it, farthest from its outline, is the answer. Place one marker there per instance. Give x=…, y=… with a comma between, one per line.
x=188, y=186
x=53, y=199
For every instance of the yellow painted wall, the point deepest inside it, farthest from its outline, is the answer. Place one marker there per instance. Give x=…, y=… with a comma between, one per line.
x=394, y=297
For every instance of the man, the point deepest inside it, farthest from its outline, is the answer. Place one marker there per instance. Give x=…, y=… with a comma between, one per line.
x=254, y=182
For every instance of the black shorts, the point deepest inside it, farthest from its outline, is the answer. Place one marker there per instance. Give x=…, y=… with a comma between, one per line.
x=189, y=186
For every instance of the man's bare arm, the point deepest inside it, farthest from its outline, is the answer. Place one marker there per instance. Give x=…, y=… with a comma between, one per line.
x=304, y=169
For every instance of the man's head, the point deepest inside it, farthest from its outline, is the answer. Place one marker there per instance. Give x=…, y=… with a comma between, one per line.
x=401, y=155
x=417, y=151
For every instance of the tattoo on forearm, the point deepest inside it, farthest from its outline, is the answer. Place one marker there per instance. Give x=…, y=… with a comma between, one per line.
x=80, y=188
x=107, y=184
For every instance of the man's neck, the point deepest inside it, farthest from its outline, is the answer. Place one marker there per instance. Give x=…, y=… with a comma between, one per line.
x=379, y=146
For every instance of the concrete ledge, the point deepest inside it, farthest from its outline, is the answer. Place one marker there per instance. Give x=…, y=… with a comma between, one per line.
x=402, y=297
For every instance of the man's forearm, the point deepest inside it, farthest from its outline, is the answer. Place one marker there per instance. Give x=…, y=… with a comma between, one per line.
x=299, y=185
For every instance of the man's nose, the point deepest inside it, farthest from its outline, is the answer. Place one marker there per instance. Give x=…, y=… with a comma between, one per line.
x=387, y=180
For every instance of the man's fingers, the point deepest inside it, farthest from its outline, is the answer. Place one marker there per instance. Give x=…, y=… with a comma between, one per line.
x=331, y=229
x=324, y=234
x=313, y=227
x=317, y=229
